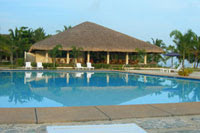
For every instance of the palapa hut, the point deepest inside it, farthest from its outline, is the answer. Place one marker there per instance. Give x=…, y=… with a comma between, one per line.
x=99, y=45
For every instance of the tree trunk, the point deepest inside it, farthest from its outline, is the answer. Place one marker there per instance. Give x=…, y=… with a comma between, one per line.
x=11, y=58
x=183, y=62
x=54, y=62
x=197, y=64
x=0, y=58
x=75, y=60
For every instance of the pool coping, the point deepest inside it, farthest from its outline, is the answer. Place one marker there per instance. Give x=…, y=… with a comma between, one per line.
x=98, y=113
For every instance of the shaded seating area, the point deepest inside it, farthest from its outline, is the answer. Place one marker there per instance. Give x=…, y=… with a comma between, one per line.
x=99, y=45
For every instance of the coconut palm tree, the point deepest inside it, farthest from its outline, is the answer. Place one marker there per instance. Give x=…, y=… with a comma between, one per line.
x=157, y=58
x=76, y=52
x=56, y=51
x=183, y=43
x=39, y=34
x=65, y=28
x=196, y=50
x=7, y=47
x=19, y=40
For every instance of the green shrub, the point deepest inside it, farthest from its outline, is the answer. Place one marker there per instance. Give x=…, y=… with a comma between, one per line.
x=20, y=62
x=49, y=65
x=186, y=72
x=33, y=64
x=4, y=63
x=99, y=66
x=65, y=65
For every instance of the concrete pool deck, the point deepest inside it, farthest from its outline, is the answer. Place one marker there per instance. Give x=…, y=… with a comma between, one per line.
x=95, y=113
x=194, y=75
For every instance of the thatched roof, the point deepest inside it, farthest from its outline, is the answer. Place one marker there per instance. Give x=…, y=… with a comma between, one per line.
x=93, y=37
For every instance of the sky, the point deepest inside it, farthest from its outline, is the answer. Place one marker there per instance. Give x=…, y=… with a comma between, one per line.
x=142, y=19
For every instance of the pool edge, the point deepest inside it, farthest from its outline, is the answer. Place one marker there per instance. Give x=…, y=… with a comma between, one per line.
x=95, y=113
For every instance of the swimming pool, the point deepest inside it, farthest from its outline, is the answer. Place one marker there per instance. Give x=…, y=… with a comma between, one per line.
x=73, y=88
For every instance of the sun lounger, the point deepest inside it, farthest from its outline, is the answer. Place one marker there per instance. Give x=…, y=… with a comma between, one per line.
x=177, y=69
x=89, y=66
x=39, y=65
x=78, y=66
x=171, y=69
x=164, y=69
x=28, y=65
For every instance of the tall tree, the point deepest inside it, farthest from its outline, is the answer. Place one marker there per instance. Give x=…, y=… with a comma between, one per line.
x=5, y=49
x=65, y=28
x=76, y=52
x=21, y=39
x=196, y=50
x=183, y=43
x=55, y=52
x=39, y=34
x=158, y=57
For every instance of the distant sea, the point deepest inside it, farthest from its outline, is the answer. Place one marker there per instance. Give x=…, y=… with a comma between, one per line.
x=176, y=62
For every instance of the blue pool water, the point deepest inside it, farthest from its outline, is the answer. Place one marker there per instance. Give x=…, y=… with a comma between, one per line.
x=62, y=88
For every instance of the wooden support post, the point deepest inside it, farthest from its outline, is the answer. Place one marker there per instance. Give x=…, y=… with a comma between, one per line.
x=127, y=58
x=108, y=58
x=67, y=57
x=47, y=57
x=145, y=59
x=88, y=57
x=24, y=56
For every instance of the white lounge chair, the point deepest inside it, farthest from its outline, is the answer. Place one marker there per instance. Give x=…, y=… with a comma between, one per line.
x=171, y=69
x=28, y=65
x=89, y=66
x=177, y=69
x=78, y=66
x=39, y=65
x=164, y=69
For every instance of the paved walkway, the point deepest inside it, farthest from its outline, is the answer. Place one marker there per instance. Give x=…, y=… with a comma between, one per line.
x=194, y=75
x=178, y=124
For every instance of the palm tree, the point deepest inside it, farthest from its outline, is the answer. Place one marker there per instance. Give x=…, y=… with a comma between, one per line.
x=196, y=50
x=39, y=34
x=56, y=51
x=4, y=46
x=157, y=58
x=76, y=52
x=7, y=46
x=65, y=28
x=183, y=42
x=140, y=54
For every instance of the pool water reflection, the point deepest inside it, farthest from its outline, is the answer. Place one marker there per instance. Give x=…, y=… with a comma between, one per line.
x=62, y=88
